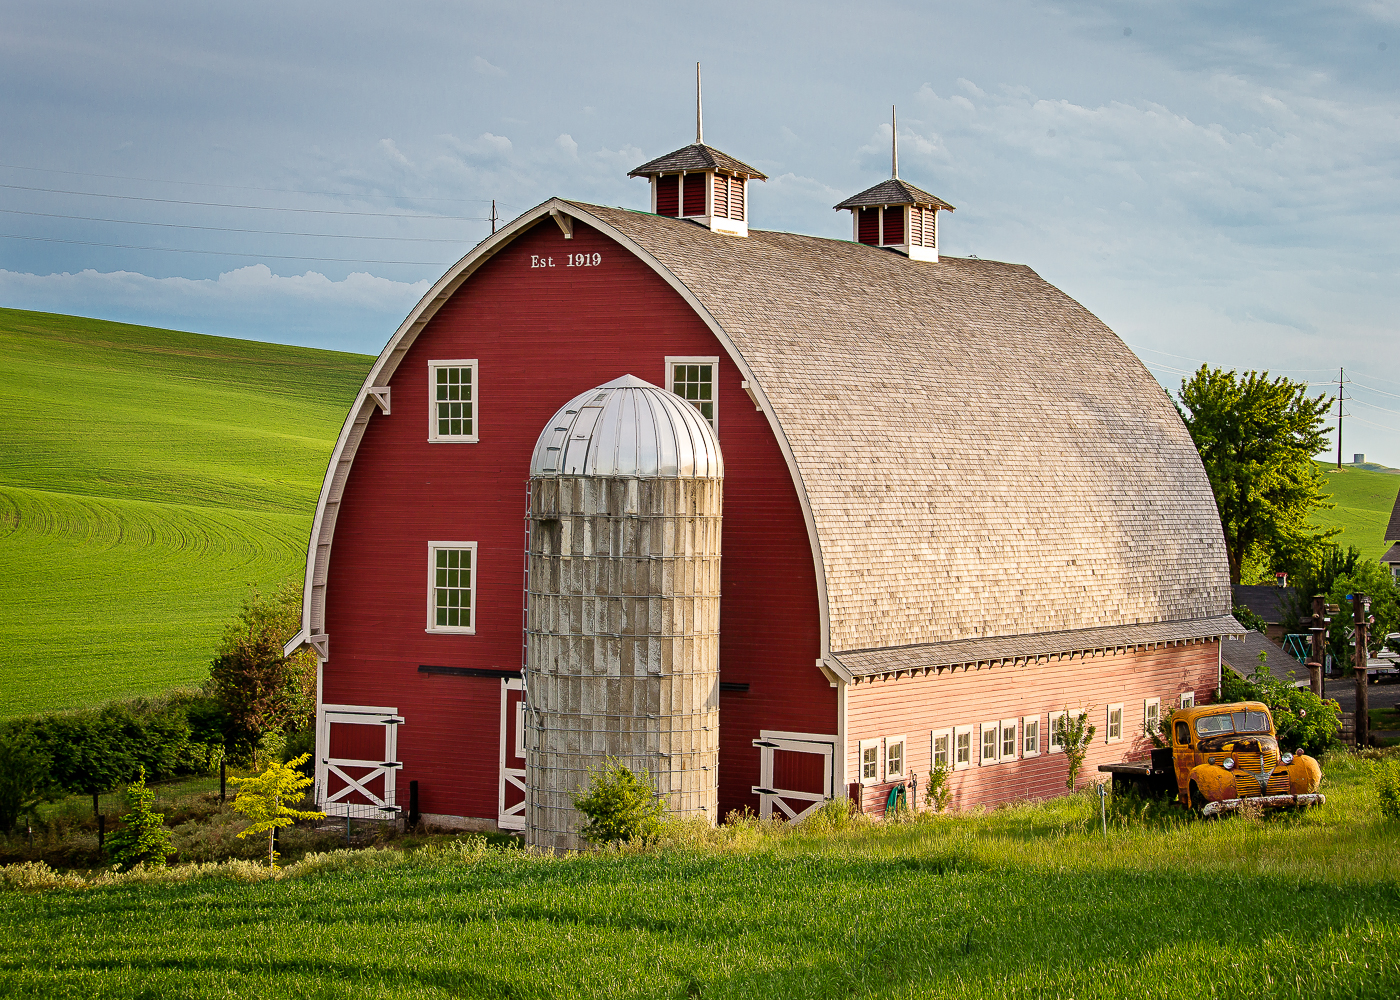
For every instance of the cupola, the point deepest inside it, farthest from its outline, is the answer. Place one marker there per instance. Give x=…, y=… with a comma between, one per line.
x=700, y=183
x=895, y=214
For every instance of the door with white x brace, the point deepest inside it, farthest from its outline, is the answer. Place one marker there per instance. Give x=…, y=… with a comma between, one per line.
x=510, y=810
x=796, y=773
x=356, y=761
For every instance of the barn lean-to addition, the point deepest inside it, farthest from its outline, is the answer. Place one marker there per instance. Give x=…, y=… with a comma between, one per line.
x=954, y=504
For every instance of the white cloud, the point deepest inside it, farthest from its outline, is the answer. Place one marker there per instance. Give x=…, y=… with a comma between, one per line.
x=485, y=68
x=358, y=313
x=567, y=144
x=393, y=151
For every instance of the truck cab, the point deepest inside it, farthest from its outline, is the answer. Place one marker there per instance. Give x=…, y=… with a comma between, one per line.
x=1227, y=753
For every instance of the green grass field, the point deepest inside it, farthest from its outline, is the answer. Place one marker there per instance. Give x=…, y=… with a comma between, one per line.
x=1364, y=498
x=148, y=478
x=1024, y=902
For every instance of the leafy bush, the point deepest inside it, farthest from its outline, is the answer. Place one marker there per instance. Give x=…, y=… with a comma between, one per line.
x=1075, y=734
x=263, y=798
x=143, y=838
x=1302, y=720
x=1249, y=619
x=1387, y=778
x=259, y=687
x=936, y=795
x=24, y=776
x=620, y=805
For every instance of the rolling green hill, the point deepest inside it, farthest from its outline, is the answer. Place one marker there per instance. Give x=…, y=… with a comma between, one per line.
x=148, y=478
x=1365, y=496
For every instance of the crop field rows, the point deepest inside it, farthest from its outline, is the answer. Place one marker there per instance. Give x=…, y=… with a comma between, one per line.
x=148, y=479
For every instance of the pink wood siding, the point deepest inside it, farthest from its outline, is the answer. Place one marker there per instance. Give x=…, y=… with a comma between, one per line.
x=916, y=706
x=542, y=334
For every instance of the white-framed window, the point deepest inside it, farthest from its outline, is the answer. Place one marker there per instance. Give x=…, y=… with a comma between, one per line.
x=452, y=397
x=990, y=742
x=869, y=762
x=694, y=380
x=1113, y=726
x=1052, y=729
x=895, y=762
x=1188, y=699
x=941, y=745
x=452, y=587
x=1152, y=716
x=1009, y=742
x=1030, y=736
x=962, y=747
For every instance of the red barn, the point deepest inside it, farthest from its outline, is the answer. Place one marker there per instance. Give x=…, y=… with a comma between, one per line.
x=955, y=505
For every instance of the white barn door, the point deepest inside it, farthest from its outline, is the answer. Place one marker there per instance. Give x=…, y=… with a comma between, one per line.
x=795, y=772
x=510, y=813
x=356, y=761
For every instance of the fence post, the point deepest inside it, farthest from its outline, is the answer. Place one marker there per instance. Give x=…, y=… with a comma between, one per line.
x=101, y=833
x=1103, y=808
x=413, y=805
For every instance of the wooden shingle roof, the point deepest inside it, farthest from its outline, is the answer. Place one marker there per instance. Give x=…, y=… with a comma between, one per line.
x=1392, y=530
x=696, y=156
x=894, y=192
x=982, y=457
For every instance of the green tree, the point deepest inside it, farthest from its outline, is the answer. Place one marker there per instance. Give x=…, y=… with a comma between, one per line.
x=620, y=804
x=1074, y=734
x=1257, y=437
x=263, y=799
x=143, y=837
x=24, y=775
x=259, y=687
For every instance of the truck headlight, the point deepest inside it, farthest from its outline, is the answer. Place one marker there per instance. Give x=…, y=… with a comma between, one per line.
x=1228, y=763
x=1287, y=758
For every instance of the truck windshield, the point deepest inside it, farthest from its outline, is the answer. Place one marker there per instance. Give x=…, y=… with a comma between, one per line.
x=1232, y=722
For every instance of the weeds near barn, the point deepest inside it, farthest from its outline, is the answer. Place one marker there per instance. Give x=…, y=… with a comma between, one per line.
x=1026, y=901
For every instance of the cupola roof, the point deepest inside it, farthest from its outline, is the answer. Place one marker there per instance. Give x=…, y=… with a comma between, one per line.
x=697, y=156
x=894, y=192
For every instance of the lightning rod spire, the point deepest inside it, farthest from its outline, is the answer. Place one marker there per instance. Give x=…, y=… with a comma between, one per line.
x=699, y=118
x=894, y=144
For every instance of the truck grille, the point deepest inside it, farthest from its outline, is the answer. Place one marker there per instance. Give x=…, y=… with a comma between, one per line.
x=1247, y=768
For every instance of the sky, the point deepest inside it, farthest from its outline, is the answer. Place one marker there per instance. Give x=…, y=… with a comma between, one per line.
x=1219, y=182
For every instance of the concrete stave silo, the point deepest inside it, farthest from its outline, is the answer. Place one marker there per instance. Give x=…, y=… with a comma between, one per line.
x=622, y=611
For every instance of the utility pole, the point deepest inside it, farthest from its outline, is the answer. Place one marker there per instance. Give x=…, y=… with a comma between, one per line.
x=496, y=218
x=1360, y=613
x=1341, y=380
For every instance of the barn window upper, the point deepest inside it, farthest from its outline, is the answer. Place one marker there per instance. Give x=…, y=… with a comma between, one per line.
x=452, y=587
x=452, y=388
x=693, y=379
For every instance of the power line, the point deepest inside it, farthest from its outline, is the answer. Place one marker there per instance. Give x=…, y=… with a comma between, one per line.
x=251, y=208
x=222, y=253
x=241, y=187
x=1353, y=399
x=223, y=229
x=1378, y=379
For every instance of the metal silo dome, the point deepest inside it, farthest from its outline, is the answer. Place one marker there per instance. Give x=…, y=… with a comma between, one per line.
x=625, y=428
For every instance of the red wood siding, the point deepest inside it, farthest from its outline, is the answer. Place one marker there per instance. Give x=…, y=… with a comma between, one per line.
x=668, y=195
x=914, y=707
x=693, y=191
x=870, y=226
x=542, y=334
x=894, y=225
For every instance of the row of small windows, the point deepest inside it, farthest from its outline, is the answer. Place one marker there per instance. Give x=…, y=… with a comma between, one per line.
x=452, y=388
x=996, y=741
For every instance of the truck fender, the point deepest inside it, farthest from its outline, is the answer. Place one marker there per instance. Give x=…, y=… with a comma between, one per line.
x=1304, y=775
x=1214, y=782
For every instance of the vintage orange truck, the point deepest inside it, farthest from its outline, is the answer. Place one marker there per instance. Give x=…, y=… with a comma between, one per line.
x=1220, y=756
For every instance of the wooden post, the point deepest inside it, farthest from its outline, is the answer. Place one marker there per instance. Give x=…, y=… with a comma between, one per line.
x=101, y=833
x=1318, y=652
x=413, y=805
x=1360, y=609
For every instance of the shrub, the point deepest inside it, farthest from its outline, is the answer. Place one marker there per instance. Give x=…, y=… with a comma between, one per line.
x=936, y=795
x=259, y=687
x=1075, y=735
x=1302, y=720
x=1387, y=778
x=1249, y=619
x=24, y=776
x=620, y=805
x=143, y=838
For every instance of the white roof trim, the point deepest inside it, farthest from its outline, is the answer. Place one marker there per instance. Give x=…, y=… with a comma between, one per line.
x=318, y=548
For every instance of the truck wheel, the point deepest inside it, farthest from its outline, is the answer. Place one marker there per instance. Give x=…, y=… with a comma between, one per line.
x=1198, y=801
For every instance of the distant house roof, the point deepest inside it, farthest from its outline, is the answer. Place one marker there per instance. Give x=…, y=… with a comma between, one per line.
x=894, y=192
x=1241, y=654
x=1392, y=531
x=1393, y=556
x=696, y=156
x=1269, y=603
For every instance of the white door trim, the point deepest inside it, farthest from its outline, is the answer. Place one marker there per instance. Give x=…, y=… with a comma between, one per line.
x=512, y=818
x=771, y=740
x=379, y=807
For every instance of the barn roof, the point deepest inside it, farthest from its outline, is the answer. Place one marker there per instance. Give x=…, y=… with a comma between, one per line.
x=983, y=458
x=979, y=459
x=1241, y=654
x=894, y=192
x=1392, y=530
x=696, y=156
x=1393, y=556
